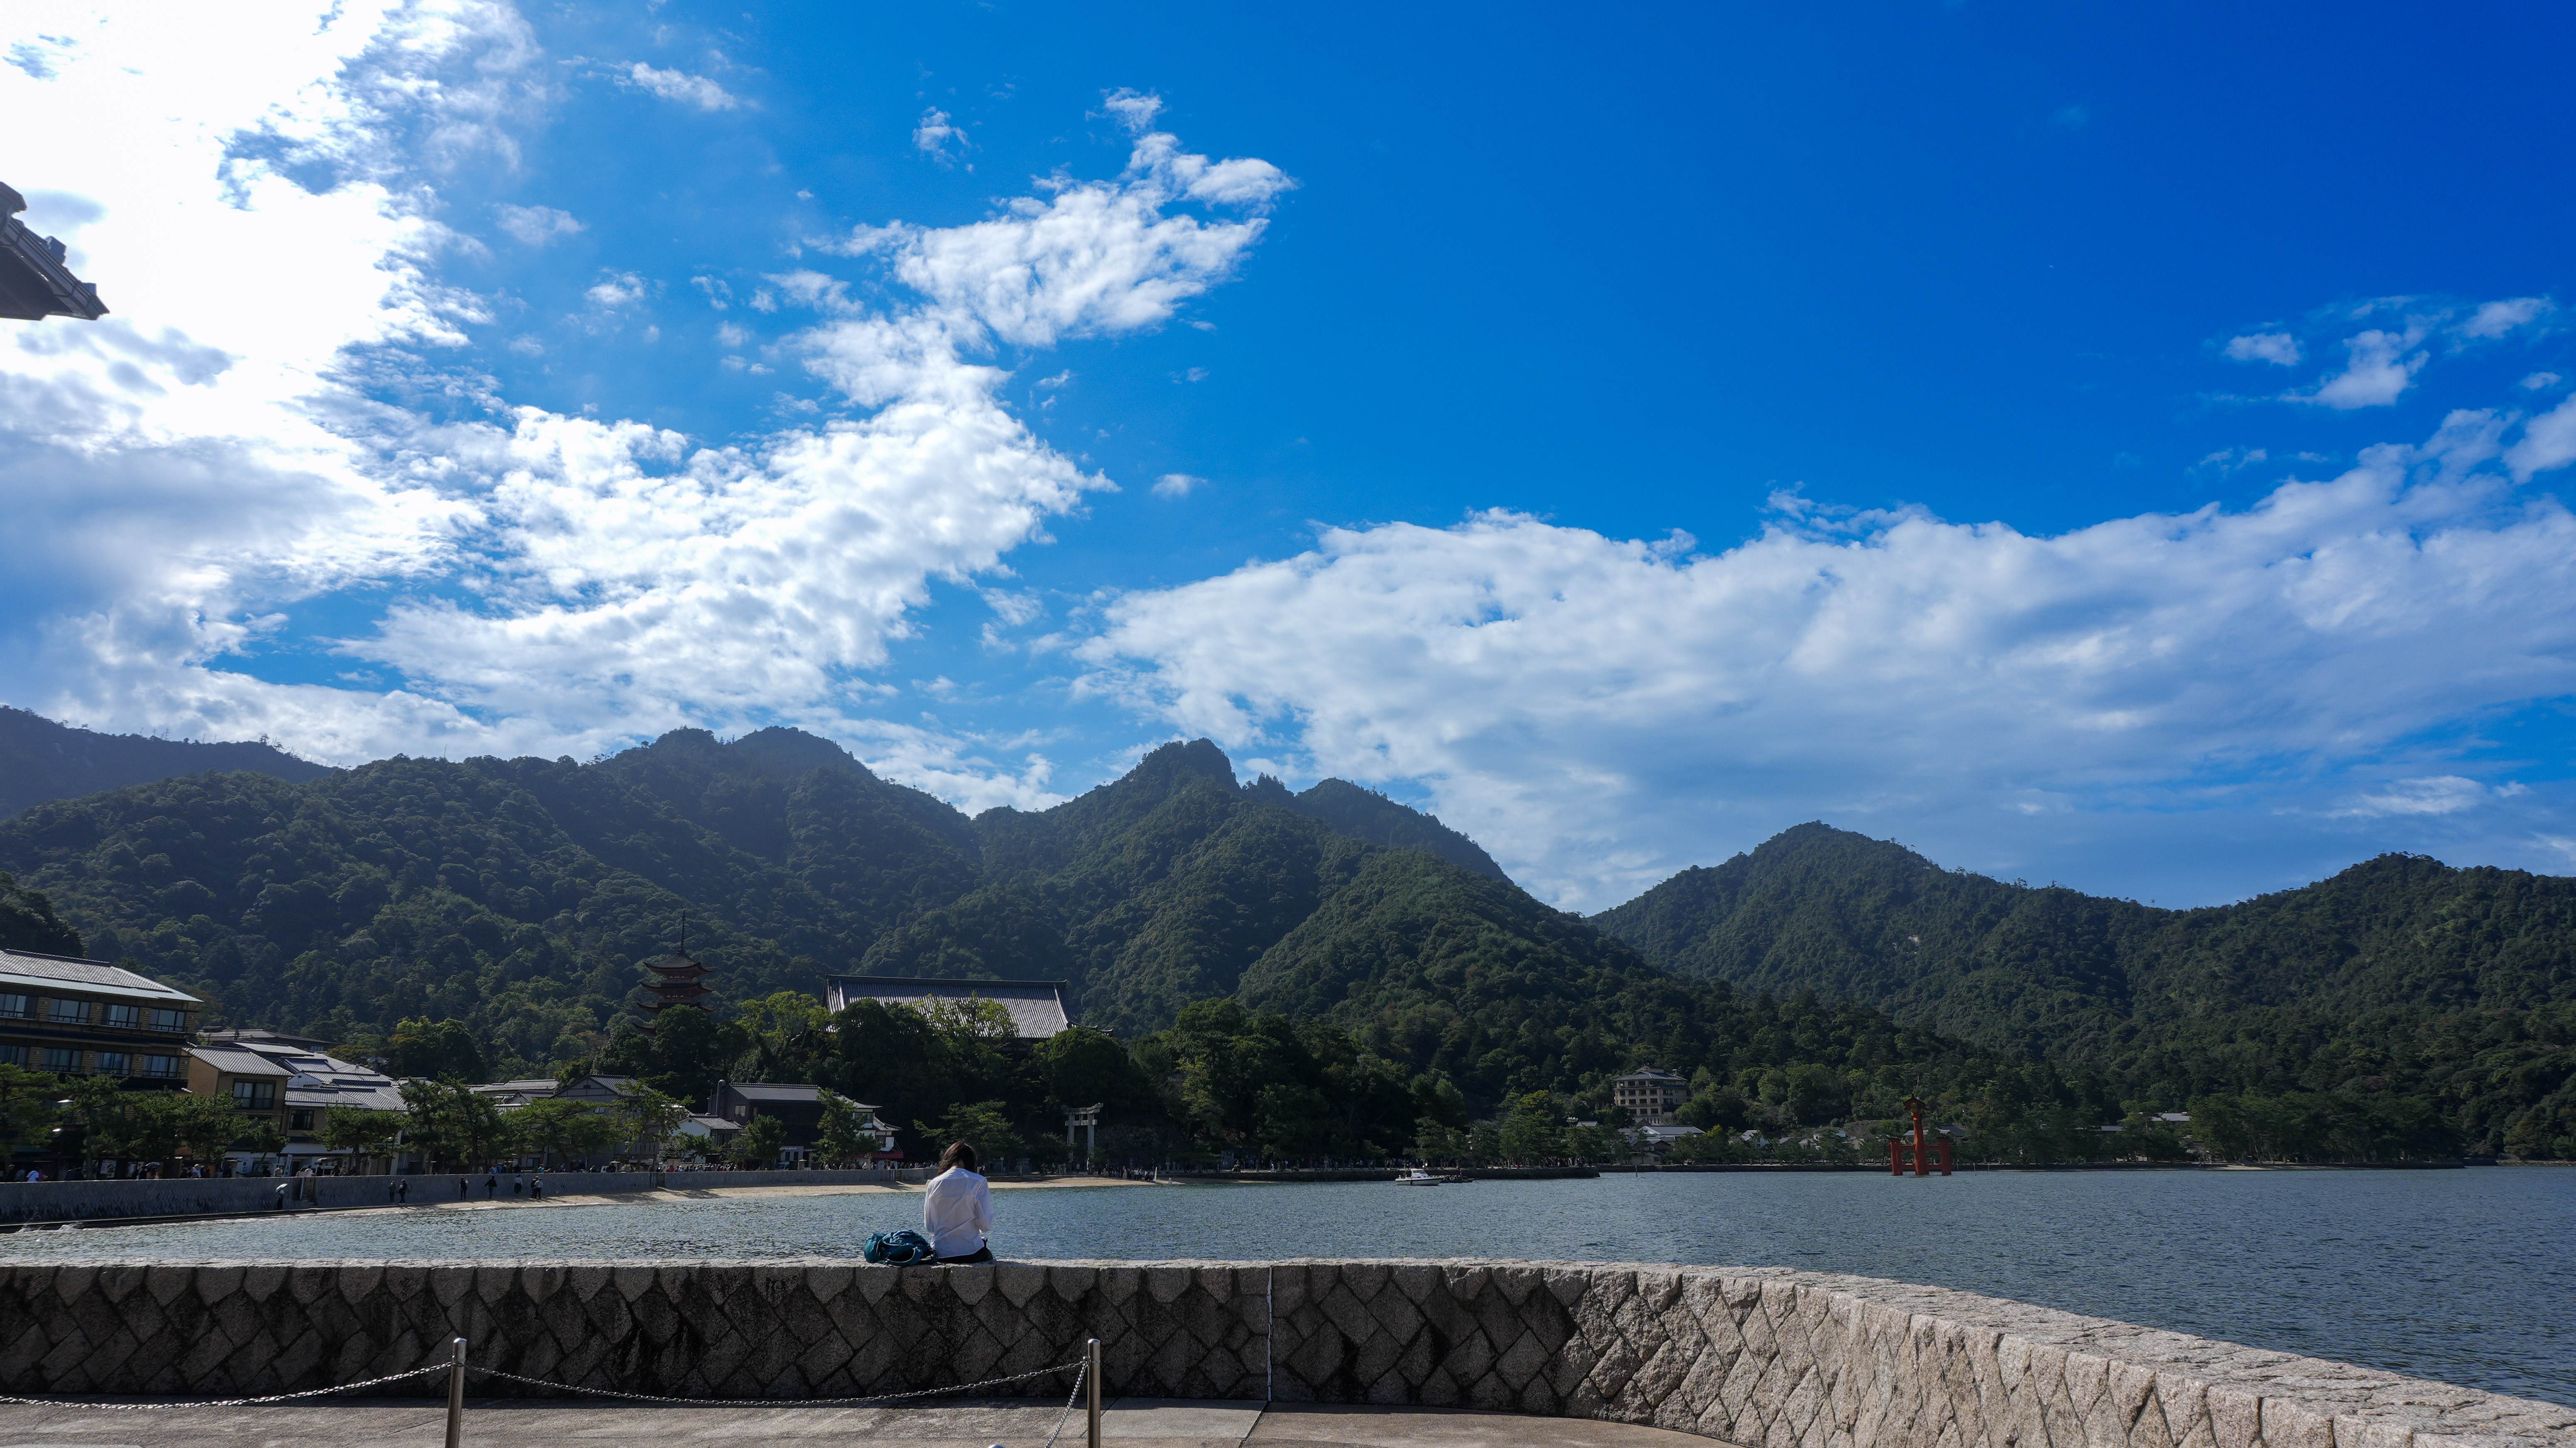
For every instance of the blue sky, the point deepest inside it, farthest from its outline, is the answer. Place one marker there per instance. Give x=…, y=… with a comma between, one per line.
x=2116, y=445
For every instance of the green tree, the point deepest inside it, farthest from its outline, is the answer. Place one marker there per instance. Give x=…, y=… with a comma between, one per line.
x=359, y=1131
x=451, y=1124
x=27, y=1112
x=758, y=1143
x=555, y=1129
x=984, y=1126
x=438, y=1051
x=845, y=1135
x=683, y=1056
x=1438, y=1144
x=205, y=1126
x=1084, y=1067
x=1534, y=1130
x=649, y=1119
x=28, y=922
x=1595, y=1143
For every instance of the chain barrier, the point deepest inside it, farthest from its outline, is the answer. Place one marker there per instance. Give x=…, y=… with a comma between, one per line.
x=774, y=1402
x=1078, y=1365
x=234, y=1402
x=1069, y=1400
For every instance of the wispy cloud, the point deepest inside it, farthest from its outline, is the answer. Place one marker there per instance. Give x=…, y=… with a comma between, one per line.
x=2279, y=348
x=939, y=138
x=1177, y=485
x=680, y=86
x=536, y=225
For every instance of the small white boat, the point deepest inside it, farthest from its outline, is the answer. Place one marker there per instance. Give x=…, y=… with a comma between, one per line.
x=1420, y=1178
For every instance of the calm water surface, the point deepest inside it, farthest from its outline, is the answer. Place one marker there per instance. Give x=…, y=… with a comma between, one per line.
x=2465, y=1276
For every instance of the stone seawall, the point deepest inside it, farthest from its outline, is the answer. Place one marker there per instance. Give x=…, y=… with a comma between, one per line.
x=1759, y=1358
x=23, y=1202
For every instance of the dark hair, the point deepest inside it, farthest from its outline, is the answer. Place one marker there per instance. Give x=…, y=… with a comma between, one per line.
x=957, y=1154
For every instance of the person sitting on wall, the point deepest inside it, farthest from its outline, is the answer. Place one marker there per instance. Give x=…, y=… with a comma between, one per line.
x=957, y=1209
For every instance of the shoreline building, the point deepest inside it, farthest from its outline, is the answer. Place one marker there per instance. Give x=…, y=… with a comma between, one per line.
x=1036, y=1007
x=1650, y=1096
x=70, y=1017
x=317, y=1083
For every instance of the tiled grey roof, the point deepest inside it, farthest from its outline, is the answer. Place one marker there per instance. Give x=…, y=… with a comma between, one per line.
x=29, y=968
x=1036, y=1006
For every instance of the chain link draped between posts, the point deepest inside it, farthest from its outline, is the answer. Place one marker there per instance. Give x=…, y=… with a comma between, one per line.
x=1079, y=1367
x=774, y=1402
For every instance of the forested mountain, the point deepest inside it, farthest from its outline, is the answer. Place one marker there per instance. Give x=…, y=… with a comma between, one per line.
x=2398, y=975
x=42, y=760
x=1365, y=961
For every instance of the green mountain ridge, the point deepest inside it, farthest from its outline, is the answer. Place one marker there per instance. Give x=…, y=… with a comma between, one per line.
x=41, y=760
x=2400, y=973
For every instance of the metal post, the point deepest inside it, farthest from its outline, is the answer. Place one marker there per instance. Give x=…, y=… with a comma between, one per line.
x=1094, y=1375
x=455, y=1392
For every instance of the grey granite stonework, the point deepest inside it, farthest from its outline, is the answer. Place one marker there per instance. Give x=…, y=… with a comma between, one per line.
x=1755, y=1357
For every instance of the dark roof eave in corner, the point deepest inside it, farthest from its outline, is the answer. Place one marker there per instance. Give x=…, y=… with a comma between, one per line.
x=34, y=282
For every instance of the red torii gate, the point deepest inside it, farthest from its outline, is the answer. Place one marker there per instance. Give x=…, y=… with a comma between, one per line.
x=1922, y=1154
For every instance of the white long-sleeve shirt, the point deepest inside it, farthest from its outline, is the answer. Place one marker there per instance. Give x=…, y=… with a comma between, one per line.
x=957, y=1212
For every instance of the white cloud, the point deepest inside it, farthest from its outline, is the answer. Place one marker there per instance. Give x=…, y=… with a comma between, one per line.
x=2548, y=441
x=2496, y=319
x=617, y=289
x=2540, y=381
x=1596, y=711
x=1133, y=109
x=1177, y=485
x=193, y=476
x=680, y=86
x=536, y=225
x=1094, y=258
x=939, y=138
x=2436, y=795
x=2232, y=460
x=2279, y=348
x=2381, y=365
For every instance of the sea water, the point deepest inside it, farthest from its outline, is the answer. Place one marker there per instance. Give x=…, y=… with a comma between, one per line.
x=2464, y=1276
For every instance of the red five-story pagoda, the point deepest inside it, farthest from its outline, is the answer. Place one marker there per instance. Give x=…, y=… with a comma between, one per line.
x=676, y=977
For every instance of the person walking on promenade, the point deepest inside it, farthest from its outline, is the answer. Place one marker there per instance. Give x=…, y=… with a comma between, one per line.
x=957, y=1209
x=464, y=1189
x=491, y=1187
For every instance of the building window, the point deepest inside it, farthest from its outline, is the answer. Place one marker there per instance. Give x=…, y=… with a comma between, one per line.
x=172, y=1021
x=113, y=1063
x=158, y=1066
x=67, y=1013
x=62, y=1061
x=16, y=1007
x=125, y=1018
x=13, y=1055
x=300, y=1120
x=255, y=1095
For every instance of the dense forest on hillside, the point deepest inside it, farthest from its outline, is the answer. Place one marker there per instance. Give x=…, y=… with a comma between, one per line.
x=1330, y=953
x=42, y=760
x=2401, y=977
x=516, y=898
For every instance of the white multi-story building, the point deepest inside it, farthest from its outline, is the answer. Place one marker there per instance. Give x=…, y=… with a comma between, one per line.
x=1650, y=1096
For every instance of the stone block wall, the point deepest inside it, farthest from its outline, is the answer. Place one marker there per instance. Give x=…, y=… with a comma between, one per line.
x=1753, y=1357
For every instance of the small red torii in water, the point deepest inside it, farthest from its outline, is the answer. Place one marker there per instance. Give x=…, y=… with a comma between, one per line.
x=1923, y=1154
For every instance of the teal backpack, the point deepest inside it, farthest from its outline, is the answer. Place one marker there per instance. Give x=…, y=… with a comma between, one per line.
x=899, y=1249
